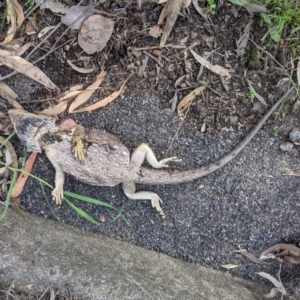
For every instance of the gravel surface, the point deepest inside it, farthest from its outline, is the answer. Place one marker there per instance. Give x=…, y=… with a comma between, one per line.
x=249, y=203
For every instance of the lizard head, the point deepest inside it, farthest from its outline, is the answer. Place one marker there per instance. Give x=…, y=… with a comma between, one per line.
x=30, y=127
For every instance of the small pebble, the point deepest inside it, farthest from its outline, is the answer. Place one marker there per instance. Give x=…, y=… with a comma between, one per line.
x=287, y=146
x=294, y=135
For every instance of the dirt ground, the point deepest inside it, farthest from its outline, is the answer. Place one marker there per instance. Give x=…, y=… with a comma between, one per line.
x=249, y=204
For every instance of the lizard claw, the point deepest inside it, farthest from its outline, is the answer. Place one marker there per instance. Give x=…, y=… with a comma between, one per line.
x=57, y=195
x=155, y=202
x=163, y=163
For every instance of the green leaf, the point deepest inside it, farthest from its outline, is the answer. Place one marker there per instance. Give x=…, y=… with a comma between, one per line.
x=266, y=18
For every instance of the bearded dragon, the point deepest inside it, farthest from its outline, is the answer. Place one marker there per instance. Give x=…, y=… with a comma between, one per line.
x=99, y=158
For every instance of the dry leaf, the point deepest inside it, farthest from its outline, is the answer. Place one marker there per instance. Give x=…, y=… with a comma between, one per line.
x=155, y=31
x=21, y=65
x=95, y=33
x=170, y=12
x=12, y=153
x=188, y=98
x=104, y=101
x=75, y=16
x=241, y=44
x=29, y=28
x=54, y=5
x=214, y=68
x=54, y=110
x=199, y=9
x=229, y=266
x=8, y=94
x=83, y=97
x=14, y=17
x=278, y=285
x=80, y=70
x=291, y=248
x=251, y=257
x=18, y=187
x=44, y=31
x=15, y=203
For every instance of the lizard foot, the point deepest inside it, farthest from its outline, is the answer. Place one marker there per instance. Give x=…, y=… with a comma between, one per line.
x=155, y=202
x=164, y=162
x=58, y=194
x=78, y=145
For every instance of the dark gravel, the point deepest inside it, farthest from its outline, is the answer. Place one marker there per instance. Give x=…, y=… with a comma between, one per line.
x=249, y=203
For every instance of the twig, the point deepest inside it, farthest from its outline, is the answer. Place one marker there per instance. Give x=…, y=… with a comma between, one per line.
x=155, y=59
x=158, y=47
x=176, y=133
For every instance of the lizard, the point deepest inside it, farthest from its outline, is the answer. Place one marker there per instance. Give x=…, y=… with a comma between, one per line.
x=102, y=159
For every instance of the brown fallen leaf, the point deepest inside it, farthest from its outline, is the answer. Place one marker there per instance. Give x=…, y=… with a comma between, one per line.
x=170, y=13
x=291, y=248
x=229, y=266
x=188, y=98
x=8, y=94
x=104, y=101
x=29, y=28
x=18, y=187
x=251, y=257
x=80, y=70
x=214, y=68
x=278, y=285
x=199, y=9
x=83, y=97
x=94, y=33
x=15, y=203
x=75, y=16
x=21, y=65
x=14, y=17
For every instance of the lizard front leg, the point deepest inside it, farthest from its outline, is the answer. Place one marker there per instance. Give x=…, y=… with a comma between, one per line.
x=58, y=192
x=142, y=152
x=129, y=190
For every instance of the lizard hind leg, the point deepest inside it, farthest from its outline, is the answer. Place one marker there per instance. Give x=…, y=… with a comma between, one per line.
x=129, y=190
x=143, y=151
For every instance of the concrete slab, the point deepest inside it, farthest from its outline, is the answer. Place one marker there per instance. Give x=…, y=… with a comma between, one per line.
x=38, y=252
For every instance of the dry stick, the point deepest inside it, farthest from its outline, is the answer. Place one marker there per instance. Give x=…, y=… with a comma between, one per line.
x=159, y=47
x=176, y=133
x=155, y=59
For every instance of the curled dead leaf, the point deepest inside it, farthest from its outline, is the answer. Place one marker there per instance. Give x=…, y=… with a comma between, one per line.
x=14, y=17
x=80, y=70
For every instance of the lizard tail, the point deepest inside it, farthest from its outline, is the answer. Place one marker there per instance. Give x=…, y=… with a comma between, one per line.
x=151, y=176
